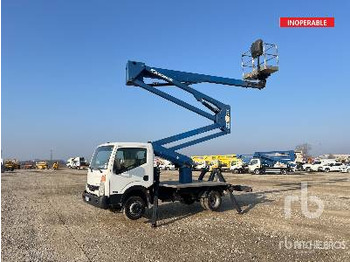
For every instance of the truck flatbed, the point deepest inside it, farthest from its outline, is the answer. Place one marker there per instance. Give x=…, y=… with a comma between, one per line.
x=177, y=184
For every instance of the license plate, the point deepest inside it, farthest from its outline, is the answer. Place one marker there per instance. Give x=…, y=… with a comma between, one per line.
x=87, y=199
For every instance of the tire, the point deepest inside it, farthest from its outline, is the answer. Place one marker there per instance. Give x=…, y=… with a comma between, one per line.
x=134, y=207
x=283, y=172
x=213, y=200
x=257, y=171
x=327, y=170
x=235, y=171
x=203, y=203
x=308, y=169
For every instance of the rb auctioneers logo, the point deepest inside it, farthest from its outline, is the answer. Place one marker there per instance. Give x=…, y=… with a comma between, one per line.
x=306, y=21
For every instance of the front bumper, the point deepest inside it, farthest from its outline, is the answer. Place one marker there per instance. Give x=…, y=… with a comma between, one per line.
x=101, y=202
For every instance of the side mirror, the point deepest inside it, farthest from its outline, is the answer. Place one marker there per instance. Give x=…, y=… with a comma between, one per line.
x=116, y=167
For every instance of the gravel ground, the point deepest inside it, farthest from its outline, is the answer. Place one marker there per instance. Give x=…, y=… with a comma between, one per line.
x=45, y=219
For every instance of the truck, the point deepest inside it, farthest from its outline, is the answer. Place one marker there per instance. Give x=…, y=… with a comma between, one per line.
x=238, y=167
x=317, y=164
x=279, y=162
x=332, y=167
x=200, y=162
x=122, y=175
x=77, y=163
x=166, y=165
x=241, y=165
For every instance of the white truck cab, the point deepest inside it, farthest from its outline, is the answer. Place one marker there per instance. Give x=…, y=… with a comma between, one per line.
x=237, y=167
x=116, y=168
x=255, y=166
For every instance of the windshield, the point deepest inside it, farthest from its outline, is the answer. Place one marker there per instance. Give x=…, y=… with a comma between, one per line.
x=253, y=161
x=101, y=157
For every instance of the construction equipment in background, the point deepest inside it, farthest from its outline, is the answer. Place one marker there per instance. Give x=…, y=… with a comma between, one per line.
x=121, y=175
x=28, y=165
x=223, y=162
x=279, y=162
x=55, y=165
x=42, y=165
x=11, y=165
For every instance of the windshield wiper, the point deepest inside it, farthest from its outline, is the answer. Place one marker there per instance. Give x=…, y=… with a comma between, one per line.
x=97, y=168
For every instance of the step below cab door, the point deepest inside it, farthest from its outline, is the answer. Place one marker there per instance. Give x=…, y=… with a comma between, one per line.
x=132, y=166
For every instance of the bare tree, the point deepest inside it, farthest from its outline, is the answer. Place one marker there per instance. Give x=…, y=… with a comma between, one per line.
x=305, y=148
x=331, y=156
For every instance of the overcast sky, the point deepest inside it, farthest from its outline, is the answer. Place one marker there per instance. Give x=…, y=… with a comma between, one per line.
x=63, y=74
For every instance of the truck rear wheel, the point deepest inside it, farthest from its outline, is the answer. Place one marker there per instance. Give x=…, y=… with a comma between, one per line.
x=134, y=207
x=203, y=203
x=283, y=171
x=212, y=201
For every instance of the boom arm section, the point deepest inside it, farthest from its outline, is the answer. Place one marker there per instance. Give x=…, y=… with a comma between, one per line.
x=137, y=72
x=272, y=157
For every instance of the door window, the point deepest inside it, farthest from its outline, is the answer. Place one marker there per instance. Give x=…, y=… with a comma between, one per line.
x=129, y=158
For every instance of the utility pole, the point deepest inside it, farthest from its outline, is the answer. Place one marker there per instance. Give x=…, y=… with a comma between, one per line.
x=51, y=156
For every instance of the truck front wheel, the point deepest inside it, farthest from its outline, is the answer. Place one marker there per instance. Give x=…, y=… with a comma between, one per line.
x=134, y=207
x=257, y=171
x=212, y=201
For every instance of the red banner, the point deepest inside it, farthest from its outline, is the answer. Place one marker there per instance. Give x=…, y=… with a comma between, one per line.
x=306, y=21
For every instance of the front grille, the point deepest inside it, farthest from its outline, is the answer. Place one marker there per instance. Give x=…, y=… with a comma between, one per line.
x=92, y=187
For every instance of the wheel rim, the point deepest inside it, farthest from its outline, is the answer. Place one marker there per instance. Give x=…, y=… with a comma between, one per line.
x=135, y=209
x=213, y=200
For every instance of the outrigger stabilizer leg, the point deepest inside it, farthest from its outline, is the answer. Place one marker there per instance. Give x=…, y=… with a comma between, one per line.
x=155, y=197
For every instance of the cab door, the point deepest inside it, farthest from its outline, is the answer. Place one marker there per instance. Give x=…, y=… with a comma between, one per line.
x=130, y=168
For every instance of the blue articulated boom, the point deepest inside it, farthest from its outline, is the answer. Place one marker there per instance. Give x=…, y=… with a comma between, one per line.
x=272, y=157
x=137, y=72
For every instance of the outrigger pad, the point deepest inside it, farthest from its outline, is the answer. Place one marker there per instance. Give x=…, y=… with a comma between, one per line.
x=240, y=188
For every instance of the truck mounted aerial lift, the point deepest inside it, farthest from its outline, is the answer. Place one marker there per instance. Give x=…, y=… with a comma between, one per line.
x=279, y=162
x=121, y=174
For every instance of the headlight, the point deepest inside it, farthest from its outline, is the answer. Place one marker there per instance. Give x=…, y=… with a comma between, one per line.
x=101, y=189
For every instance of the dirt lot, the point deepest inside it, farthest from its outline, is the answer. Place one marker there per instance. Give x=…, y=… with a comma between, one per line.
x=45, y=219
